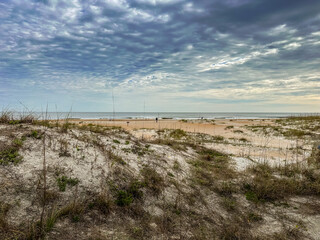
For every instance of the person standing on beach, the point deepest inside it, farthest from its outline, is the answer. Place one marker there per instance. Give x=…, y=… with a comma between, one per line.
x=156, y=119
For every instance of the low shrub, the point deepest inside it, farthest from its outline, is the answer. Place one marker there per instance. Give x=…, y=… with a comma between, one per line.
x=178, y=134
x=10, y=153
x=152, y=180
x=63, y=181
x=124, y=198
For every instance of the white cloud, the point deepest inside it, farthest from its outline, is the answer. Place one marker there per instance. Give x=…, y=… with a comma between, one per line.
x=281, y=29
x=117, y=4
x=158, y=2
x=134, y=14
x=189, y=47
x=316, y=33
x=189, y=7
x=292, y=46
x=228, y=61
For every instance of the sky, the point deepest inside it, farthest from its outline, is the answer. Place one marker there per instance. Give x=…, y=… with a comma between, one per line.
x=160, y=55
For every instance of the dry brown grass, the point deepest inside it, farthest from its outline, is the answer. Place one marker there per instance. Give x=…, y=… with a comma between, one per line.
x=278, y=183
x=12, y=118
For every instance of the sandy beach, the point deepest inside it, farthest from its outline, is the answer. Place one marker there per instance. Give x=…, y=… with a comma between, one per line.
x=212, y=127
x=238, y=136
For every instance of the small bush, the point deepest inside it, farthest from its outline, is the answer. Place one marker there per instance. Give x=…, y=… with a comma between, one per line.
x=254, y=217
x=176, y=165
x=126, y=194
x=212, y=164
x=124, y=198
x=65, y=126
x=101, y=203
x=238, y=131
x=295, y=133
x=64, y=181
x=211, y=154
x=14, y=122
x=229, y=203
x=17, y=142
x=202, y=176
x=251, y=196
x=74, y=211
x=178, y=146
x=235, y=228
x=4, y=209
x=218, y=138
x=135, y=189
x=51, y=220
x=178, y=134
x=243, y=140
x=35, y=134
x=64, y=148
x=10, y=154
x=140, y=150
x=152, y=180
x=225, y=189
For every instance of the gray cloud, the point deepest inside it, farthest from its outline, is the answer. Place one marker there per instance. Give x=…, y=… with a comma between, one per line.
x=212, y=54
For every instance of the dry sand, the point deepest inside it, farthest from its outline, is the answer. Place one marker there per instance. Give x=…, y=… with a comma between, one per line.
x=259, y=147
x=200, y=126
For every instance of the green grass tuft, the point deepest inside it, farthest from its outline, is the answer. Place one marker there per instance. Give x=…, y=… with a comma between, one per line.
x=63, y=181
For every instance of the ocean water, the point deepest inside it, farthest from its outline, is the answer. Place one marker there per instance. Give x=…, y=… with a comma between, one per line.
x=170, y=115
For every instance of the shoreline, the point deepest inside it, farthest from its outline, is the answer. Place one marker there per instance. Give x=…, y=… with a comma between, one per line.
x=124, y=116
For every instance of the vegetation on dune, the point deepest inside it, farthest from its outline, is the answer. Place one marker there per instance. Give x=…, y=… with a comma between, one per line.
x=174, y=186
x=281, y=182
x=10, y=153
x=177, y=134
x=152, y=180
x=63, y=181
x=12, y=118
x=291, y=127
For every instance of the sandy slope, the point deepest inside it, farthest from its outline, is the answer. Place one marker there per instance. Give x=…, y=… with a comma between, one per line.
x=189, y=199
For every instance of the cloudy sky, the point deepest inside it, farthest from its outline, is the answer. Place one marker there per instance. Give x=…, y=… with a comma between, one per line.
x=172, y=55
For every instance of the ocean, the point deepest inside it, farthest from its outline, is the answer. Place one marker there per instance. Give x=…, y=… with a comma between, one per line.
x=170, y=115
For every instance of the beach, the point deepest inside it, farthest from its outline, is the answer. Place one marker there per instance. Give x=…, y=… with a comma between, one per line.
x=212, y=127
x=240, y=137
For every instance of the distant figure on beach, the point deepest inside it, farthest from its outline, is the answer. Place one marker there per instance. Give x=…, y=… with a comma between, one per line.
x=201, y=118
x=156, y=119
x=128, y=123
